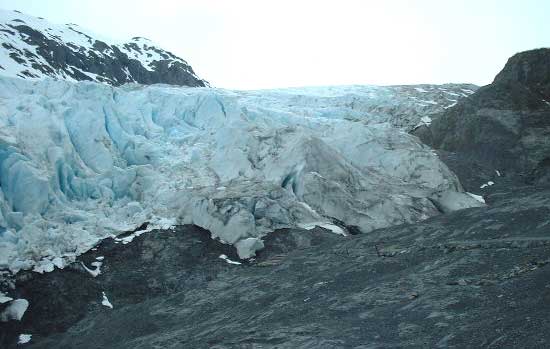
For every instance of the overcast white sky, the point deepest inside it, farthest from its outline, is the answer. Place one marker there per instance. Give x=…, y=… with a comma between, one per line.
x=250, y=44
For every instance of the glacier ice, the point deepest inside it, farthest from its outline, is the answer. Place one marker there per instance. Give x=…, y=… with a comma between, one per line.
x=84, y=161
x=4, y=298
x=15, y=310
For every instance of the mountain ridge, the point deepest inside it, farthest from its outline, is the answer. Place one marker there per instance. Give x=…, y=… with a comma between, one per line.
x=33, y=48
x=504, y=126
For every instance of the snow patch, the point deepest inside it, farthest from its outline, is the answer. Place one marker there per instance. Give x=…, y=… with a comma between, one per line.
x=105, y=301
x=488, y=184
x=93, y=272
x=225, y=258
x=329, y=226
x=24, y=338
x=428, y=102
x=452, y=201
x=477, y=197
x=157, y=223
x=450, y=105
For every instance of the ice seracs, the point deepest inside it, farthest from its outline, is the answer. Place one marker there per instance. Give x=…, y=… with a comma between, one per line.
x=83, y=161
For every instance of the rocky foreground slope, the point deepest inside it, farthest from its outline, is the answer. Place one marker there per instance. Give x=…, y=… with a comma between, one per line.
x=473, y=278
x=33, y=48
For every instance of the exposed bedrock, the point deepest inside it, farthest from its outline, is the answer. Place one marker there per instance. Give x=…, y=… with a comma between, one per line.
x=503, y=127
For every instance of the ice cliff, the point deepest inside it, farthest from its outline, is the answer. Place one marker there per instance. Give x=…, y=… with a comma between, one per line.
x=83, y=161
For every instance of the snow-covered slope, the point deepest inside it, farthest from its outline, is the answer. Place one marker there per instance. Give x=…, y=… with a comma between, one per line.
x=33, y=48
x=82, y=161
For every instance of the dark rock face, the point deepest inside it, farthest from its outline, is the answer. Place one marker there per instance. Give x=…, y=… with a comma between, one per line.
x=40, y=49
x=472, y=278
x=530, y=68
x=504, y=126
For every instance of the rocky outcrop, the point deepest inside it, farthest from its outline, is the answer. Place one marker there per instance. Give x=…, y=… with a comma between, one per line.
x=530, y=69
x=32, y=48
x=504, y=126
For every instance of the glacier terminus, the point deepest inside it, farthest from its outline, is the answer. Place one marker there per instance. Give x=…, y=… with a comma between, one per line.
x=82, y=161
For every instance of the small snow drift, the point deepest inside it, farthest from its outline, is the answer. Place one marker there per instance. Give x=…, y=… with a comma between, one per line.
x=24, y=338
x=93, y=272
x=83, y=161
x=329, y=226
x=477, y=197
x=105, y=301
x=229, y=261
x=485, y=185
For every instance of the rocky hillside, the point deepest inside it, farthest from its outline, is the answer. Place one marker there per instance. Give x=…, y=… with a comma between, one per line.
x=33, y=48
x=503, y=130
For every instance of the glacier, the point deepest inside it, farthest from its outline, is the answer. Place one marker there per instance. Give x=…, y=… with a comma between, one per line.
x=80, y=162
